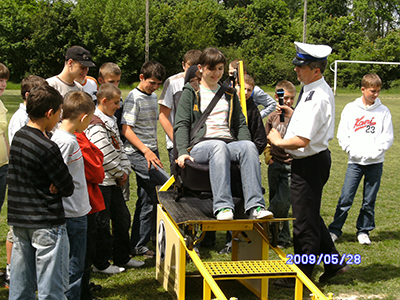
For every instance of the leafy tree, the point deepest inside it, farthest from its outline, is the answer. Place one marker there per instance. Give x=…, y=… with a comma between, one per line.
x=378, y=17
x=53, y=31
x=269, y=49
x=15, y=31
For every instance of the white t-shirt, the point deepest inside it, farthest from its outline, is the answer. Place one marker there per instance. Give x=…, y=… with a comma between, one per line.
x=77, y=205
x=19, y=119
x=172, y=89
x=62, y=86
x=313, y=119
x=217, y=122
x=90, y=86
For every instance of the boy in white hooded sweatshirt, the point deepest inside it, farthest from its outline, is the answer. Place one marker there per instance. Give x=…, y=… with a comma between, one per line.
x=365, y=132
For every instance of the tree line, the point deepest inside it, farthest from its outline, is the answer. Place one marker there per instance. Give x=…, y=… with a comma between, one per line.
x=34, y=34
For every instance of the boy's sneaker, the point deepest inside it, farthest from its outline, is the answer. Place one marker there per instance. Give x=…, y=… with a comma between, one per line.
x=110, y=270
x=7, y=277
x=6, y=283
x=334, y=237
x=149, y=253
x=283, y=245
x=134, y=263
x=363, y=239
x=225, y=214
x=260, y=213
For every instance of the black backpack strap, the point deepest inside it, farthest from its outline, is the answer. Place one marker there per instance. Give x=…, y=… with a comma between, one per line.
x=209, y=108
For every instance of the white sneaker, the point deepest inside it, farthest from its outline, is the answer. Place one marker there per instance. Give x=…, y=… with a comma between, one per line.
x=110, y=270
x=225, y=214
x=334, y=237
x=260, y=213
x=134, y=263
x=363, y=239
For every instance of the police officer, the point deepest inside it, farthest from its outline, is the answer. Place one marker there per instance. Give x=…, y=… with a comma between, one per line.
x=307, y=139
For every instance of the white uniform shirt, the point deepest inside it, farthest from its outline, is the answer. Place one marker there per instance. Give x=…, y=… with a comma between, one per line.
x=172, y=89
x=313, y=119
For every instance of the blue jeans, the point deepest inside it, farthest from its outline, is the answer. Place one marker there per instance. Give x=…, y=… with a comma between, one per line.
x=279, y=195
x=86, y=293
x=372, y=180
x=219, y=156
x=3, y=183
x=144, y=220
x=77, y=235
x=39, y=261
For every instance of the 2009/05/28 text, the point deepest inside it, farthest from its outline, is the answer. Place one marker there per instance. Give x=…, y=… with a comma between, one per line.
x=333, y=259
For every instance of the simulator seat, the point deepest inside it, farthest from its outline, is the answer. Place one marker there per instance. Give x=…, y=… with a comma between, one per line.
x=194, y=180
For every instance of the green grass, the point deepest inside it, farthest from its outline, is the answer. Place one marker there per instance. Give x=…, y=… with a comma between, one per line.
x=377, y=277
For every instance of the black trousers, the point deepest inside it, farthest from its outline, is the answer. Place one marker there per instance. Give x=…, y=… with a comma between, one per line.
x=310, y=234
x=116, y=246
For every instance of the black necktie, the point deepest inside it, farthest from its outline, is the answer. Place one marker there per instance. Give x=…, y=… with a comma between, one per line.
x=299, y=98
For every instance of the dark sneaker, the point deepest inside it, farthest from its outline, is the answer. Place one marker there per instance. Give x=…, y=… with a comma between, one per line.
x=95, y=287
x=328, y=275
x=226, y=250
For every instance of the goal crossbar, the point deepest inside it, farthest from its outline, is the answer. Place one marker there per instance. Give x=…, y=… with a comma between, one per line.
x=357, y=62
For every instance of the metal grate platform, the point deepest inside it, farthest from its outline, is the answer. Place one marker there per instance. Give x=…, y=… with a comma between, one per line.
x=248, y=268
x=187, y=208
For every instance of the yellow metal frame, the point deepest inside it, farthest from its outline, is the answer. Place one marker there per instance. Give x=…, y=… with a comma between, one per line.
x=242, y=92
x=252, y=273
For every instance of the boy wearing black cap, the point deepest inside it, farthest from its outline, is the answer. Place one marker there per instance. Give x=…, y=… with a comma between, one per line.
x=307, y=139
x=77, y=63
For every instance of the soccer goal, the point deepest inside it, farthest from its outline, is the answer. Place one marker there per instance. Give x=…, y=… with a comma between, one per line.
x=356, y=62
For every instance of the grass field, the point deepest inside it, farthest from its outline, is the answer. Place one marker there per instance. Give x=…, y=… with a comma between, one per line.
x=377, y=277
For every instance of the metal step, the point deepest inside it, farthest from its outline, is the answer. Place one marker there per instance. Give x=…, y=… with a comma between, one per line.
x=250, y=268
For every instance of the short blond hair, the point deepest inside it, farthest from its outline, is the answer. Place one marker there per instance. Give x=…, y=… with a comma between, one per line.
x=108, y=91
x=76, y=103
x=109, y=68
x=371, y=80
x=286, y=85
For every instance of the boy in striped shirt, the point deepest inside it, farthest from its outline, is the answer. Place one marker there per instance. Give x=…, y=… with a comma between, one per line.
x=103, y=132
x=139, y=125
x=38, y=179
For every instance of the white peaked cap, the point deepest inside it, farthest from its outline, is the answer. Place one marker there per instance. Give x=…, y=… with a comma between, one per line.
x=307, y=53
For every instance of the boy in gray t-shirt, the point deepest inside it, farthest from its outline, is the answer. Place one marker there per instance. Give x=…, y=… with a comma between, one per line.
x=140, y=130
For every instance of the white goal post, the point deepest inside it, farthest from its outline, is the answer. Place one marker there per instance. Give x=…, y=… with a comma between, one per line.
x=356, y=62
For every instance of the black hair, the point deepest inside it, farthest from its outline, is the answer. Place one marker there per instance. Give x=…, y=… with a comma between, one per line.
x=153, y=69
x=41, y=99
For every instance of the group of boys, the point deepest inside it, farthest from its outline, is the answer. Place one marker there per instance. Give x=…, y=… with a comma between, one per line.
x=65, y=178
x=65, y=185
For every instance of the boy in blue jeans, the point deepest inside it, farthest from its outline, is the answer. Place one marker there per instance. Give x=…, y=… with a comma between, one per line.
x=140, y=130
x=365, y=132
x=78, y=109
x=19, y=119
x=38, y=179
